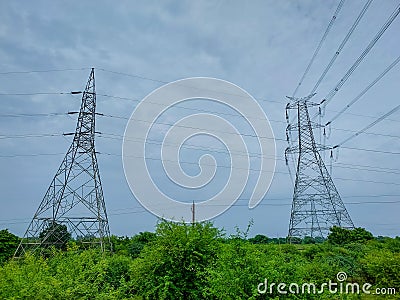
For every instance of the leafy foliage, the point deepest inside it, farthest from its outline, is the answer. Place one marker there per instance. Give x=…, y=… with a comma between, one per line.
x=56, y=235
x=8, y=244
x=185, y=261
x=259, y=239
x=173, y=265
x=342, y=236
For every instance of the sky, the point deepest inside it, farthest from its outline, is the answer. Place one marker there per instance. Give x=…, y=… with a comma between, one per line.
x=136, y=47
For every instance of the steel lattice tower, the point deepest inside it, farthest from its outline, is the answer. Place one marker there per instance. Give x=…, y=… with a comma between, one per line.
x=316, y=205
x=74, y=203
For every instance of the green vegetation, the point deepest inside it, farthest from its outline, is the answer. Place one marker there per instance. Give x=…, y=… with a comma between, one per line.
x=57, y=235
x=184, y=261
x=8, y=244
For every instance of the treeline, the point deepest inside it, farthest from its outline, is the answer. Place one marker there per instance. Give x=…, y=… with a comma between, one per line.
x=185, y=261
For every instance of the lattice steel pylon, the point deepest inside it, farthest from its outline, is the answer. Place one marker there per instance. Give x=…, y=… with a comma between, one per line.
x=73, y=205
x=316, y=205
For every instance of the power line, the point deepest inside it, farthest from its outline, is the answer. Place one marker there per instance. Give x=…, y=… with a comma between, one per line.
x=159, y=104
x=139, y=210
x=392, y=111
x=154, y=123
x=228, y=114
x=258, y=170
x=41, y=71
x=192, y=108
x=222, y=150
x=188, y=146
x=100, y=69
x=30, y=155
x=369, y=133
x=369, y=166
x=367, y=181
x=31, y=115
x=194, y=163
x=40, y=93
x=120, y=136
x=29, y=135
x=369, y=169
x=220, y=113
x=273, y=199
x=132, y=75
x=248, y=135
x=349, y=33
x=372, y=43
x=166, y=82
x=371, y=150
x=137, y=100
x=193, y=127
x=332, y=21
x=393, y=64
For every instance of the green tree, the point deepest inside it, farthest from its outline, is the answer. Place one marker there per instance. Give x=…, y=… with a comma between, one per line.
x=56, y=235
x=342, y=236
x=173, y=265
x=237, y=271
x=138, y=242
x=308, y=240
x=339, y=236
x=382, y=267
x=28, y=278
x=259, y=239
x=120, y=244
x=8, y=244
x=361, y=235
x=312, y=240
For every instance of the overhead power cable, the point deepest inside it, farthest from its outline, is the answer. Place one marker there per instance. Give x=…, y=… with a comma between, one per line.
x=372, y=43
x=190, y=108
x=131, y=75
x=391, y=66
x=33, y=135
x=223, y=150
x=193, y=127
x=258, y=170
x=371, y=150
x=41, y=71
x=176, y=106
x=41, y=93
x=222, y=113
x=30, y=155
x=368, y=166
x=135, y=210
x=31, y=115
x=392, y=111
x=120, y=137
x=332, y=21
x=127, y=118
x=349, y=33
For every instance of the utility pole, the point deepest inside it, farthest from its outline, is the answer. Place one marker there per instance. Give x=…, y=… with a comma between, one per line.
x=193, y=213
x=316, y=205
x=73, y=205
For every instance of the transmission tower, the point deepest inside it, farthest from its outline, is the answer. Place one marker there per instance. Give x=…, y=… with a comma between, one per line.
x=316, y=205
x=73, y=205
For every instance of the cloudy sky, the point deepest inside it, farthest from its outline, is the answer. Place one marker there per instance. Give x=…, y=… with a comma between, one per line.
x=137, y=46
